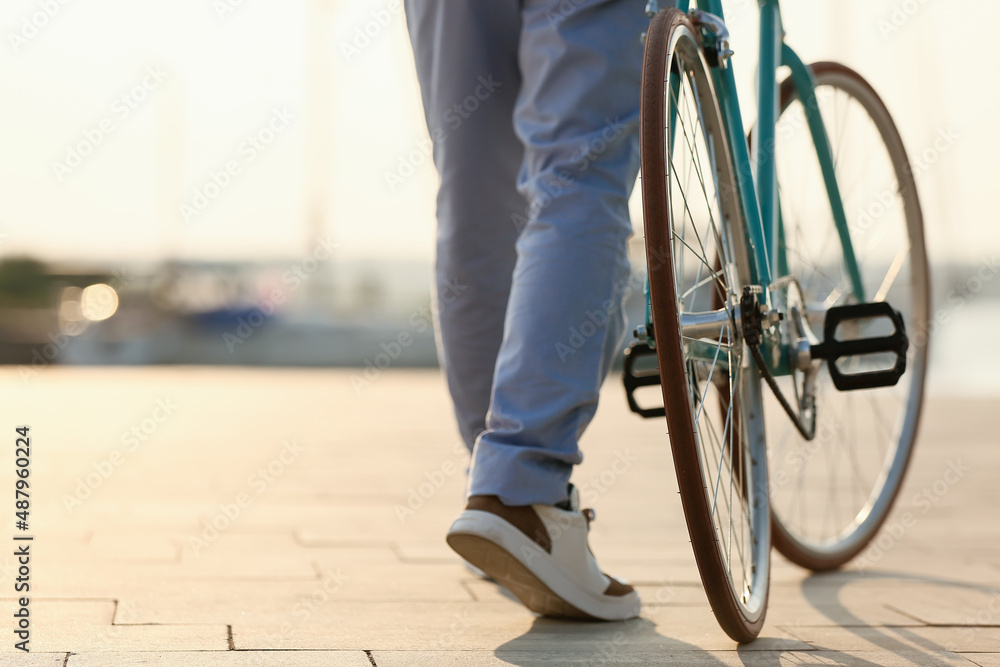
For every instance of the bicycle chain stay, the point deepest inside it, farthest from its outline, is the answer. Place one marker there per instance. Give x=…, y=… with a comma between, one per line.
x=753, y=334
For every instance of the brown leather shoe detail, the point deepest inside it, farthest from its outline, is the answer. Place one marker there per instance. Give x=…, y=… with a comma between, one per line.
x=522, y=517
x=616, y=589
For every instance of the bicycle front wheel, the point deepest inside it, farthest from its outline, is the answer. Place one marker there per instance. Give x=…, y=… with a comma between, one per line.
x=698, y=262
x=830, y=495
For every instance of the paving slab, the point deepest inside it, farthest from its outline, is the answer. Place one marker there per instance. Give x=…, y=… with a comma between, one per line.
x=125, y=638
x=224, y=659
x=34, y=660
x=897, y=638
x=66, y=612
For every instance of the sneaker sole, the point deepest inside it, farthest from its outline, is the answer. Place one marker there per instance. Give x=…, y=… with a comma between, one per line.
x=510, y=573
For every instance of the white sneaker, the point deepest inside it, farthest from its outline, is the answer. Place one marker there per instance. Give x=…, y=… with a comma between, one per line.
x=554, y=574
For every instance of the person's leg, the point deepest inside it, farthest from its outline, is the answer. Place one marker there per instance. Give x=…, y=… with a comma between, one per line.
x=577, y=116
x=466, y=53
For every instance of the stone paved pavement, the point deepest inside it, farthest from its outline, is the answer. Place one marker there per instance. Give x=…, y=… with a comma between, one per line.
x=280, y=517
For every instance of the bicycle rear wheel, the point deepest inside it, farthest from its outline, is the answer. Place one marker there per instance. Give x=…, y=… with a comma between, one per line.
x=698, y=262
x=829, y=496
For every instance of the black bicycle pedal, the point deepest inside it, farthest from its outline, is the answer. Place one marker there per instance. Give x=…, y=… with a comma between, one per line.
x=832, y=349
x=640, y=377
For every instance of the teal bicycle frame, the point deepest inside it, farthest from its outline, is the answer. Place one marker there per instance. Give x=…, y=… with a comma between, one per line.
x=757, y=178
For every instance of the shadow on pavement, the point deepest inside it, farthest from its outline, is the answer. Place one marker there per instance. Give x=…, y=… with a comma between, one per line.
x=638, y=642
x=635, y=642
x=899, y=640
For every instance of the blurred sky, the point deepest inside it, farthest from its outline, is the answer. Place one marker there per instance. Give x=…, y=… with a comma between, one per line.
x=229, y=66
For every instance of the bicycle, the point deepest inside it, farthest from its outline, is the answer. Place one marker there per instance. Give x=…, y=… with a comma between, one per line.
x=756, y=276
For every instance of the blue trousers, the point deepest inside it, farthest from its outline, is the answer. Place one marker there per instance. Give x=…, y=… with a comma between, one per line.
x=533, y=108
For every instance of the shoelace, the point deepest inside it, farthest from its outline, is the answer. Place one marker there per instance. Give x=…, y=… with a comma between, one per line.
x=590, y=515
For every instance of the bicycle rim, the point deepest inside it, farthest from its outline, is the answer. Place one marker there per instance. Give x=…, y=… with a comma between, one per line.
x=698, y=261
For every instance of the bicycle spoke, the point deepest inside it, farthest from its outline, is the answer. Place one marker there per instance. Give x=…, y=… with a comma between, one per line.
x=890, y=276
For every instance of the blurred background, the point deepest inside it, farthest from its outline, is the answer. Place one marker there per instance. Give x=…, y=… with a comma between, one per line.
x=249, y=182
